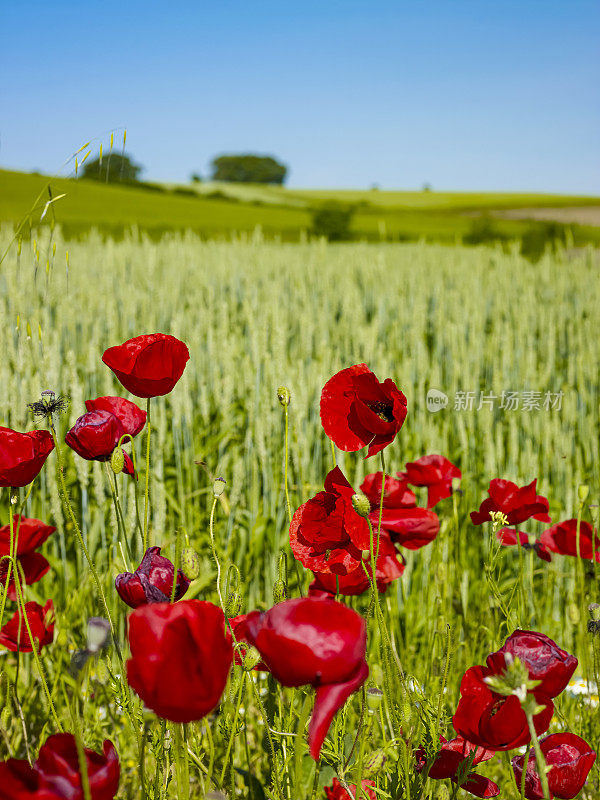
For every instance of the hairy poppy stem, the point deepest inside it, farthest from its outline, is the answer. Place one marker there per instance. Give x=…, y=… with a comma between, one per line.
x=65, y=498
x=38, y=663
x=145, y=535
x=181, y=762
x=539, y=756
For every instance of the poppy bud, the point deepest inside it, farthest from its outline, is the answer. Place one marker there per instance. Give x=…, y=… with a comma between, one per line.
x=374, y=698
x=6, y=717
x=361, y=504
x=374, y=765
x=365, y=555
x=283, y=395
x=251, y=658
x=98, y=631
x=102, y=674
x=190, y=563
x=117, y=460
x=219, y=487
x=62, y=639
x=4, y=687
x=455, y=483
x=279, y=592
x=582, y=492
x=233, y=604
x=443, y=792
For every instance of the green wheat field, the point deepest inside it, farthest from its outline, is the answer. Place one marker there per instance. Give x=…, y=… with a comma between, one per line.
x=258, y=314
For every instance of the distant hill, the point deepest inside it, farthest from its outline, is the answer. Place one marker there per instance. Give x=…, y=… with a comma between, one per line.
x=225, y=209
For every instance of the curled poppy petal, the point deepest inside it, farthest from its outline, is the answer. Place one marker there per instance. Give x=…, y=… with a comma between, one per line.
x=22, y=455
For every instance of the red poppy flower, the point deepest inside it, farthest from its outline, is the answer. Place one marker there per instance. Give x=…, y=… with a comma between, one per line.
x=491, y=720
x=19, y=781
x=337, y=792
x=22, y=455
x=148, y=365
x=571, y=759
x=449, y=760
x=314, y=641
x=357, y=410
x=435, y=472
x=388, y=569
x=95, y=435
x=131, y=417
x=396, y=493
x=326, y=533
x=58, y=766
x=41, y=622
x=518, y=504
x=508, y=536
x=152, y=582
x=30, y=534
x=180, y=658
x=562, y=539
x=56, y=775
x=543, y=658
x=409, y=527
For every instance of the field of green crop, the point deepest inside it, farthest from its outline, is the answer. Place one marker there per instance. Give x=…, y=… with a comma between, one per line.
x=257, y=315
x=220, y=210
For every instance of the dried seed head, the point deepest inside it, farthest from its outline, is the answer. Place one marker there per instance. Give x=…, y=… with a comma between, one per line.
x=374, y=698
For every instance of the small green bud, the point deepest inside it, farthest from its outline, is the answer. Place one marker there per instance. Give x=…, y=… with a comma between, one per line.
x=4, y=687
x=374, y=764
x=251, y=658
x=191, y=566
x=233, y=604
x=361, y=504
x=279, y=592
x=583, y=492
x=62, y=638
x=117, y=460
x=374, y=698
x=219, y=487
x=283, y=395
x=443, y=792
x=365, y=555
x=455, y=484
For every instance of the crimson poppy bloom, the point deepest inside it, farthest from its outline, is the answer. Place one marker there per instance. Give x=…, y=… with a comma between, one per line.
x=562, y=539
x=358, y=411
x=355, y=582
x=56, y=775
x=543, y=658
x=58, y=766
x=131, y=416
x=508, y=536
x=412, y=528
x=29, y=534
x=315, y=641
x=492, y=720
x=41, y=622
x=518, y=504
x=326, y=533
x=96, y=434
x=396, y=493
x=337, y=792
x=571, y=759
x=149, y=365
x=152, y=582
x=22, y=455
x=180, y=658
x=449, y=760
x=435, y=472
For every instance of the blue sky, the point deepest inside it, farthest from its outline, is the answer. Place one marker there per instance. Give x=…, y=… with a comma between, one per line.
x=463, y=94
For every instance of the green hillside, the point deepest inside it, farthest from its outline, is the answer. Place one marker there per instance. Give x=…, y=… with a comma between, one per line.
x=221, y=210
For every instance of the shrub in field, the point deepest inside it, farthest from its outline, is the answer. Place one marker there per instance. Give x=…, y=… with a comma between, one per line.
x=332, y=221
